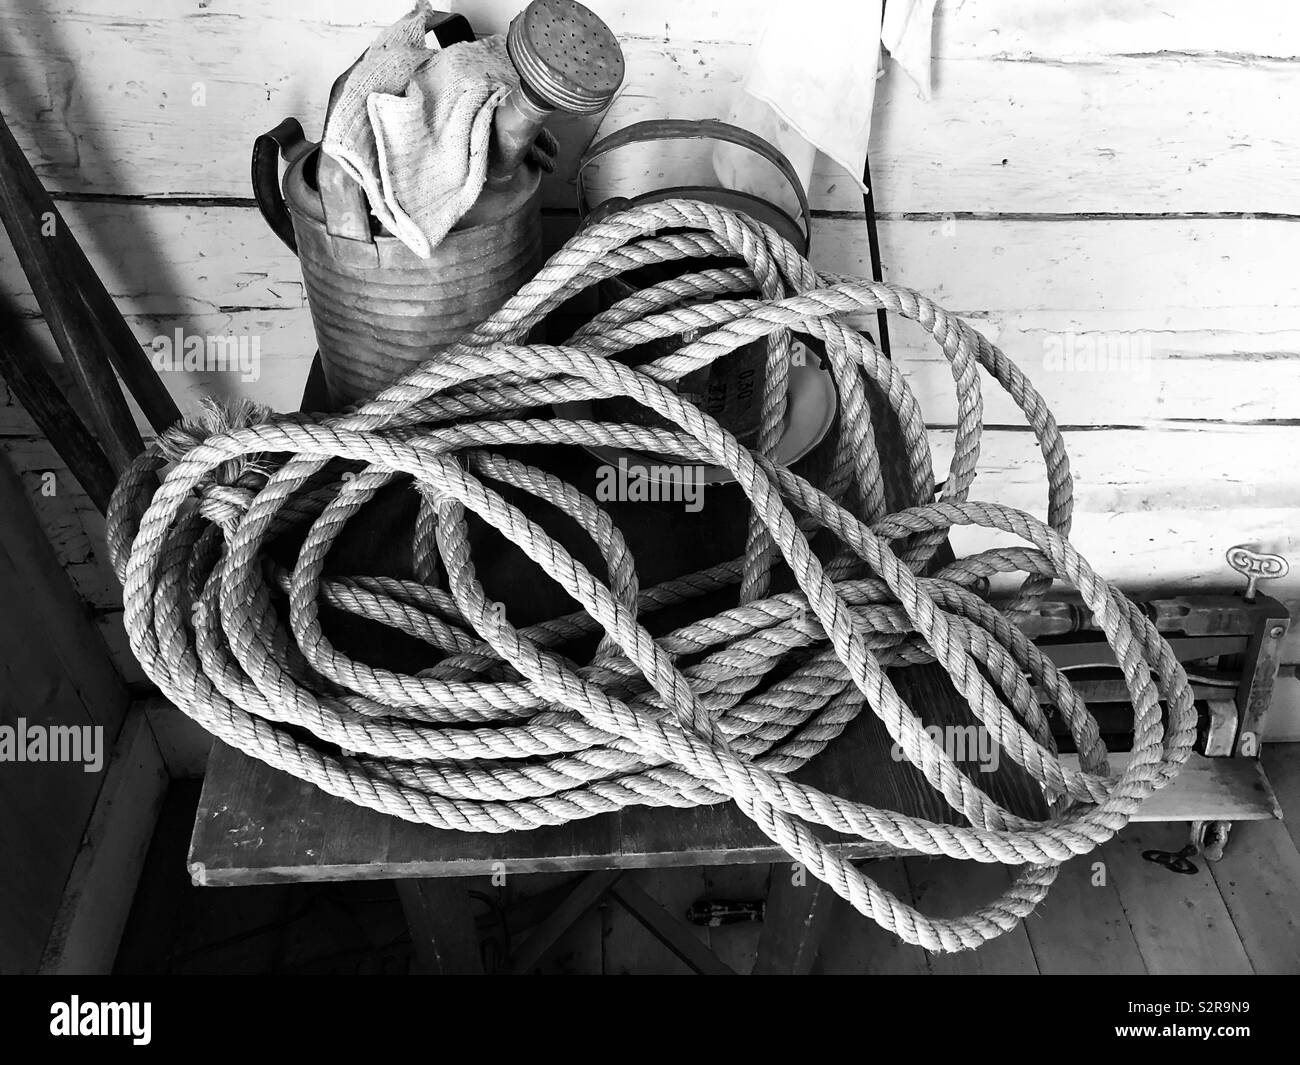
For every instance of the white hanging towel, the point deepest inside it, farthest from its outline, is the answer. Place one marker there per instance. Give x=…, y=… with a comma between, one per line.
x=907, y=32
x=811, y=85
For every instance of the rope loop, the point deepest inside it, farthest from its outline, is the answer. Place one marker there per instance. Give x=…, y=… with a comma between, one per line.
x=507, y=730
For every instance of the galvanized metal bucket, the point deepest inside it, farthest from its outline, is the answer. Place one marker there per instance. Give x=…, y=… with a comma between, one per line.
x=379, y=310
x=731, y=389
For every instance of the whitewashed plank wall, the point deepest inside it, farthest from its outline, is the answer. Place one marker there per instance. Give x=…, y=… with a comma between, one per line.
x=1119, y=172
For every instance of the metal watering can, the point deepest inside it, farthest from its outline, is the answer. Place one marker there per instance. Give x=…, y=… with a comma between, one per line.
x=379, y=309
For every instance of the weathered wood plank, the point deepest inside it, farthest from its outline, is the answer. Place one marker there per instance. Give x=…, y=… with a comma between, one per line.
x=84, y=323
x=1080, y=928
x=1168, y=277
x=1025, y=29
x=95, y=70
x=1282, y=764
x=442, y=927
x=990, y=29
x=855, y=945
x=1178, y=376
x=45, y=805
x=1155, y=508
x=797, y=918
x=1179, y=922
x=75, y=530
x=1031, y=136
x=1206, y=789
x=943, y=887
x=1259, y=879
x=238, y=840
x=96, y=900
x=63, y=510
x=27, y=375
x=55, y=605
x=111, y=627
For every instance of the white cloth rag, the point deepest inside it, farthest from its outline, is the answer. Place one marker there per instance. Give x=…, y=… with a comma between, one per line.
x=811, y=85
x=412, y=125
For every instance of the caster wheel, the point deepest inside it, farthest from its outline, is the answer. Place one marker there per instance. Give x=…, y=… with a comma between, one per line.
x=1210, y=838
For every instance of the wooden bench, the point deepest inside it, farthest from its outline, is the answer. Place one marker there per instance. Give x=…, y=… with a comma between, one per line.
x=256, y=825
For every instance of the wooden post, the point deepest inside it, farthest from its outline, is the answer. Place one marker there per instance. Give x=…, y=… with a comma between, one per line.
x=442, y=926
x=55, y=672
x=798, y=910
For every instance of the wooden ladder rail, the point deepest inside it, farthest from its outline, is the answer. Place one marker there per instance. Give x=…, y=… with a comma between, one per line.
x=93, y=339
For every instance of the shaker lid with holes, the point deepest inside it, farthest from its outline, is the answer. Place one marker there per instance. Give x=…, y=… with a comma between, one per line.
x=566, y=55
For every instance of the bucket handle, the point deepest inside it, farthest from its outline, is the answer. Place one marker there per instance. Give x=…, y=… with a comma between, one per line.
x=663, y=129
x=287, y=140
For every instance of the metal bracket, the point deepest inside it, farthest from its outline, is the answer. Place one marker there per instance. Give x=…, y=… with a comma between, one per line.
x=1210, y=837
x=1221, y=733
x=714, y=913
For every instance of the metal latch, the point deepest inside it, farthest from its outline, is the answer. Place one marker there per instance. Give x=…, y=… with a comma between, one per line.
x=714, y=913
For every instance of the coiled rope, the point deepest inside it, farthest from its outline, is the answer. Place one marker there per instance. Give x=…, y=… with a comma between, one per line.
x=505, y=733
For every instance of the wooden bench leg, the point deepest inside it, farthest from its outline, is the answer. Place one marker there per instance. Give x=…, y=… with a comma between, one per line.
x=798, y=908
x=442, y=926
x=589, y=891
x=668, y=929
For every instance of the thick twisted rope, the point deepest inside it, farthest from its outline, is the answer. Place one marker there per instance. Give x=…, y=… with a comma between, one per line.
x=505, y=732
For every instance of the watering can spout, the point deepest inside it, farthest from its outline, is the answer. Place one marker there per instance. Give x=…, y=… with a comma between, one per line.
x=567, y=60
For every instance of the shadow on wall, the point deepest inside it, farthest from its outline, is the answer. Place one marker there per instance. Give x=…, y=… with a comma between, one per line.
x=49, y=98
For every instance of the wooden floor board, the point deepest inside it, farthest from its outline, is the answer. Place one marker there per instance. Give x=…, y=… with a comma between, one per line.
x=1081, y=928
x=945, y=887
x=1282, y=764
x=1259, y=879
x=1180, y=923
x=855, y=944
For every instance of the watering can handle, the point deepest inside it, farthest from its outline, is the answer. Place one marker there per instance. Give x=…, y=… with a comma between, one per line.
x=287, y=140
x=664, y=129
